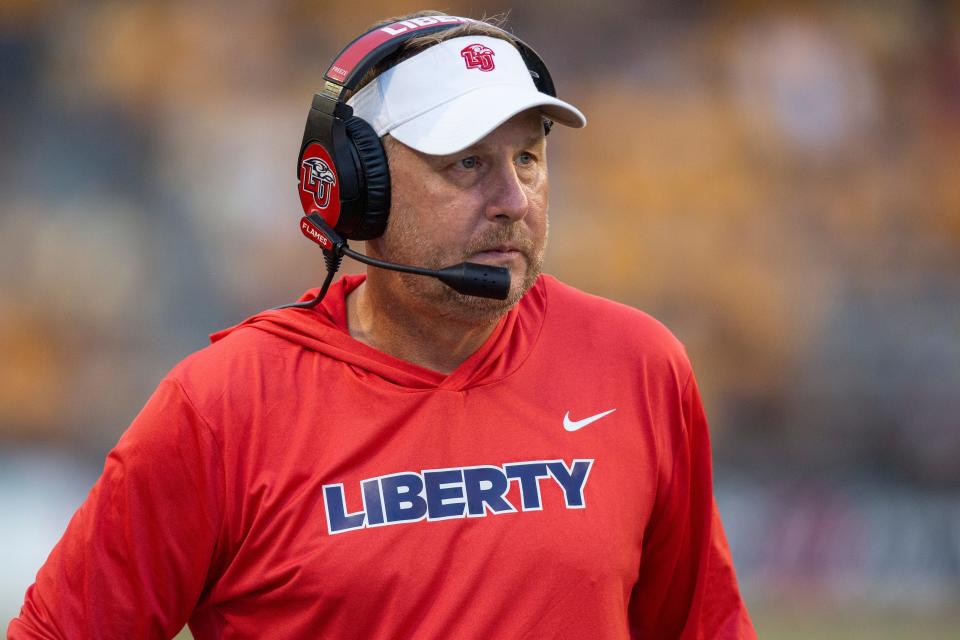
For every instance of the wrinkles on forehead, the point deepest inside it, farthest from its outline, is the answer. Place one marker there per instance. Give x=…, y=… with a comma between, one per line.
x=510, y=132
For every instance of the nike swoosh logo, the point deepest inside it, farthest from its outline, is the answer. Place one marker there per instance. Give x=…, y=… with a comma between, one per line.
x=574, y=425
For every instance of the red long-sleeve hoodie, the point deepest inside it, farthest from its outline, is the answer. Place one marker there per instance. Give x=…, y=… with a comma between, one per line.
x=290, y=482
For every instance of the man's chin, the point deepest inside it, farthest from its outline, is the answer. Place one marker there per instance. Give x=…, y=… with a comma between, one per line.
x=470, y=309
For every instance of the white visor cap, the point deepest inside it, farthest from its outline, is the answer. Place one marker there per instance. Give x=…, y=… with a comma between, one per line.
x=452, y=94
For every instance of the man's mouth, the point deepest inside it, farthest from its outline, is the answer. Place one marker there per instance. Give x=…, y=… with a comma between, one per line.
x=497, y=254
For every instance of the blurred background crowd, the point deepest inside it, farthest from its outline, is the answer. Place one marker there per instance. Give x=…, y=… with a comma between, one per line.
x=779, y=182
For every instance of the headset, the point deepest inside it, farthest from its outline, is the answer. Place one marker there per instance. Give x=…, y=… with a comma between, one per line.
x=342, y=171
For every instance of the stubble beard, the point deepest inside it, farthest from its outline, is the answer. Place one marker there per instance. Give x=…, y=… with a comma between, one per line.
x=404, y=244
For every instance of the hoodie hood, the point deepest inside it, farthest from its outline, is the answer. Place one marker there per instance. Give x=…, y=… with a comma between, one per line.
x=324, y=330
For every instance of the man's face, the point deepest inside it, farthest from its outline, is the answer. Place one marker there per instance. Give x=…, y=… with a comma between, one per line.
x=485, y=204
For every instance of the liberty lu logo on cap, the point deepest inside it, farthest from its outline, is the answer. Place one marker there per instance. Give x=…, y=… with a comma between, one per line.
x=477, y=56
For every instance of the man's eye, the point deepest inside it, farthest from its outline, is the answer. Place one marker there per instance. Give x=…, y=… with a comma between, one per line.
x=525, y=158
x=469, y=163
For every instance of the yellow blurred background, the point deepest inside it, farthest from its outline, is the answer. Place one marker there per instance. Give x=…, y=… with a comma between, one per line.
x=779, y=182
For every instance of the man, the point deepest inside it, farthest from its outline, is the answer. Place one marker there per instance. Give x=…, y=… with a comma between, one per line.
x=405, y=461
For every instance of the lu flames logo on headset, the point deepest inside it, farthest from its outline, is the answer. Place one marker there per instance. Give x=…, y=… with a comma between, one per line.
x=320, y=181
x=319, y=187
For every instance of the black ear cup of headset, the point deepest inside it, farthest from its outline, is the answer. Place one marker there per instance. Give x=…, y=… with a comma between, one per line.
x=370, y=219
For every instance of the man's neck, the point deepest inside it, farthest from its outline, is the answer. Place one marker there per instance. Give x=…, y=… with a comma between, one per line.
x=411, y=332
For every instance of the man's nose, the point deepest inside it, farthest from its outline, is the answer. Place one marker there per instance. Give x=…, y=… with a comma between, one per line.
x=508, y=199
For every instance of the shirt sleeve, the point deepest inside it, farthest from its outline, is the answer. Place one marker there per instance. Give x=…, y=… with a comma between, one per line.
x=687, y=587
x=134, y=558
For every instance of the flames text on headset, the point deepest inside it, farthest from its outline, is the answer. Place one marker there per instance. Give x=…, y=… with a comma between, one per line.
x=458, y=492
x=311, y=232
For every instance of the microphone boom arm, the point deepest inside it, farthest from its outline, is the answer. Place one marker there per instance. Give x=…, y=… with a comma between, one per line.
x=468, y=278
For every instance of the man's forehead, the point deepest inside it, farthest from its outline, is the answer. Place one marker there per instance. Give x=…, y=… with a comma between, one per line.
x=523, y=130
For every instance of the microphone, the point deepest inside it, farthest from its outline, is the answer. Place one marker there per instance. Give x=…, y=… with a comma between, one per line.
x=468, y=278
